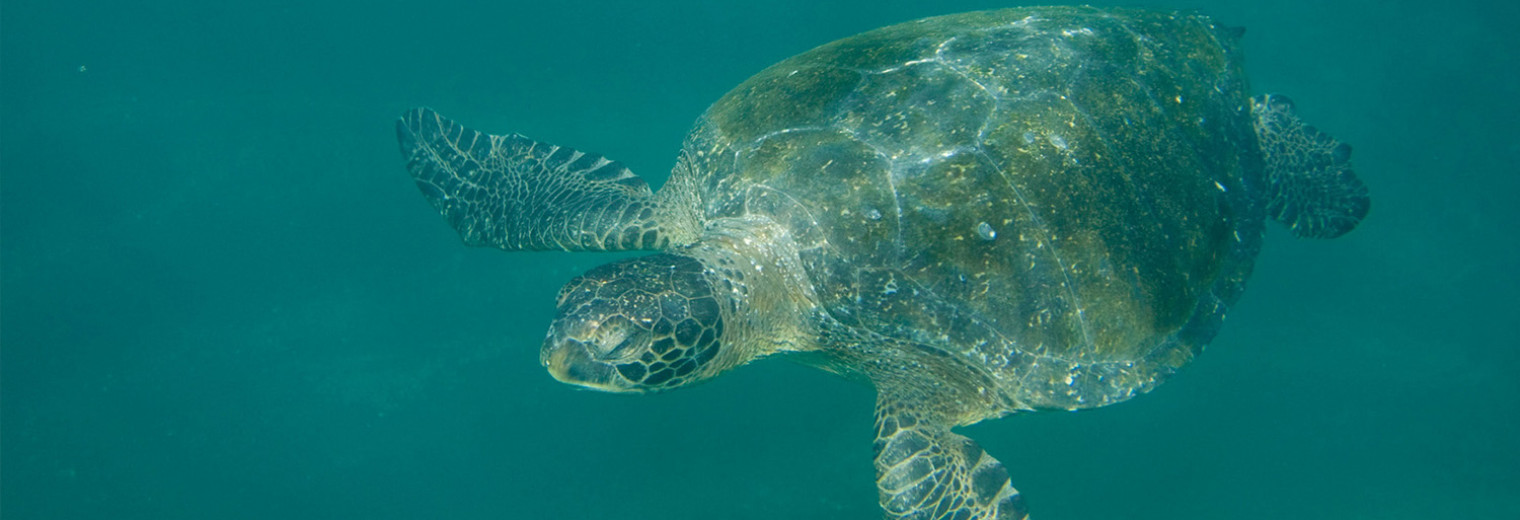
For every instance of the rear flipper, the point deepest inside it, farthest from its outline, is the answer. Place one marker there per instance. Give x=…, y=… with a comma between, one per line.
x=1310, y=185
x=926, y=472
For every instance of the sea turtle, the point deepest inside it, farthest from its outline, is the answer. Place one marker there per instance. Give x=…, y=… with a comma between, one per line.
x=977, y=214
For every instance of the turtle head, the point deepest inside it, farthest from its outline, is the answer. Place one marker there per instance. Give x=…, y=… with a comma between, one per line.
x=640, y=325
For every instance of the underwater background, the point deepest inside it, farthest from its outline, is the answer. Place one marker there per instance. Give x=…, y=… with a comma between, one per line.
x=221, y=295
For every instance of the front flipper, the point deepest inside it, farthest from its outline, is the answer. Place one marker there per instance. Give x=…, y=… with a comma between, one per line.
x=926, y=472
x=517, y=194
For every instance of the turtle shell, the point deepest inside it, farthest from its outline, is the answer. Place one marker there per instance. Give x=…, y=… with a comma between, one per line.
x=1063, y=199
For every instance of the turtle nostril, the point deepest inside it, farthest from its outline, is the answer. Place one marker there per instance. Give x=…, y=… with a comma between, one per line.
x=556, y=347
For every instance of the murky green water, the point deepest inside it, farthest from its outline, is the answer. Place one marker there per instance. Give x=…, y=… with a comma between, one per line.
x=223, y=297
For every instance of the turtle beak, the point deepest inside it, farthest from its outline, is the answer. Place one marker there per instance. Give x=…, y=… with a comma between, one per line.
x=570, y=361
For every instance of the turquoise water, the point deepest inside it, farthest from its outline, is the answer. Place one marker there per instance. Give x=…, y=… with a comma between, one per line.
x=223, y=297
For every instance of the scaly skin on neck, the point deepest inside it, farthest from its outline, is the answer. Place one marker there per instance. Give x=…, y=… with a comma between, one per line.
x=753, y=264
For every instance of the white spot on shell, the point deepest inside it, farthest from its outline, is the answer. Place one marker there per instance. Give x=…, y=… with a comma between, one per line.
x=1057, y=141
x=985, y=231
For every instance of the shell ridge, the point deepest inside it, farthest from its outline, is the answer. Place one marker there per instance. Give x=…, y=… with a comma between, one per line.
x=1055, y=252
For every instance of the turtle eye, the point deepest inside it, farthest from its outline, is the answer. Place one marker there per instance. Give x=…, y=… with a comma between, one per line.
x=623, y=348
x=616, y=338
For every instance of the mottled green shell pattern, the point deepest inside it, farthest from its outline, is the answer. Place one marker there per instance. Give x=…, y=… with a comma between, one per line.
x=1064, y=199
